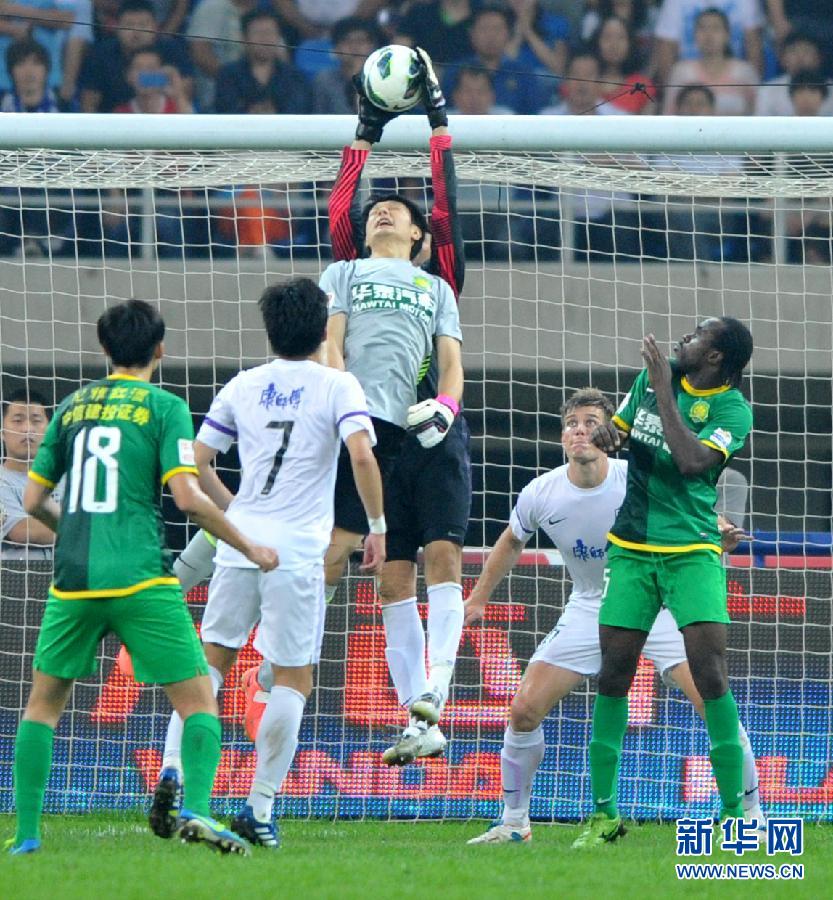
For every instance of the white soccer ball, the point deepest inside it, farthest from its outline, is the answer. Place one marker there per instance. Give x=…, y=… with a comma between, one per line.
x=390, y=78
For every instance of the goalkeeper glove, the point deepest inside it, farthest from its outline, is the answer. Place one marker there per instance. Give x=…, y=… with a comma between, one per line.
x=372, y=119
x=432, y=93
x=431, y=419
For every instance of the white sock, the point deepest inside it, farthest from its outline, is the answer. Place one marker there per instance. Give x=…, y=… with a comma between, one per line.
x=751, y=795
x=172, y=754
x=196, y=562
x=277, y=740
x=405, y=649
x=445, y=628
x=519, y=760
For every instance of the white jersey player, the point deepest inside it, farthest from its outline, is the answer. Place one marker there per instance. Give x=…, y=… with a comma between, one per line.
x=289, y=418
x=575, y=505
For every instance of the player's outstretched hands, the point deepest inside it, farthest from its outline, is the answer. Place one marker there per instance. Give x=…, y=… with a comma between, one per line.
x=430, y=420
x=265, y=558
x=475, y=607
x=730, y=534
x=372, y=119
x=432, y=93
x=374, y=554
x=656, y=362
x=607, y=437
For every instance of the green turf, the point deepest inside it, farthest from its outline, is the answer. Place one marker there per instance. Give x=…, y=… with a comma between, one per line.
x=101, y=856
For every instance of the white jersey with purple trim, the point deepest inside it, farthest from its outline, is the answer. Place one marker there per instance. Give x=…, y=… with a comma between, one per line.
x=577, y=521
x=289, y=418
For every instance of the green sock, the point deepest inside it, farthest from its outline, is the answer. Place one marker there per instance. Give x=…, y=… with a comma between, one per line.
x=726, y=753
x=201, y=737
x=610, y=722
x=32, y=762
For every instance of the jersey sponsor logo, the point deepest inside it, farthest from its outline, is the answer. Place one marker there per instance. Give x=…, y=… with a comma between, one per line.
x=370, y=296
x=270, y=397
x=722, y=438
x=185, y=449
x=423, y=282
x=647, y=428
x=699, y=411
x=585, y=554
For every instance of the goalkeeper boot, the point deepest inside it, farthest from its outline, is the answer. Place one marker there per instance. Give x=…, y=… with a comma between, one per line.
x=427, y=707
x=407, y=748
x=499, y=833
x=756, y=814
x=167, y=799
x=261, y=834
x=196, y=829
x=255, y=704
x=600, y=829
x=30, y=845
x=432, y=743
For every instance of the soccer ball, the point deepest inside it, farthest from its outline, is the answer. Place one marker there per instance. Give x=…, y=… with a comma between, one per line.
x=390, y=78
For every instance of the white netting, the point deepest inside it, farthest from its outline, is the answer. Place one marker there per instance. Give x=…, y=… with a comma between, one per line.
x=571, y=259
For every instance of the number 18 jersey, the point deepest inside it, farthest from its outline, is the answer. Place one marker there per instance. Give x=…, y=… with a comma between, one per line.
x=116, y=440
x=288, y=417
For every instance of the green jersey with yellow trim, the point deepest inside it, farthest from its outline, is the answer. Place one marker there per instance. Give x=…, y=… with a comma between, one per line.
x=664, y=511
x=117, y=440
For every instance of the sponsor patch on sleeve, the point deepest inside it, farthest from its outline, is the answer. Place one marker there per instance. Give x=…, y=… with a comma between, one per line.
x=721, y=438
x=186, y=452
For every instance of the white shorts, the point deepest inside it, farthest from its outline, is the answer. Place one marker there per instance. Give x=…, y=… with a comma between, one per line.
x=288, y=604
x=574, y=643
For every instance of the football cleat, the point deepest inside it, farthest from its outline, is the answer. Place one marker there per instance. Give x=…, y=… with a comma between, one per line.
x=255, y=704
x=600, y=829
x=30, y=845
x=427, y=708
x=432, y=743
x=261, y=834
x=196, y=829
x=499, y=833
x=405, y=750
x=756, y=814
x=164, y=808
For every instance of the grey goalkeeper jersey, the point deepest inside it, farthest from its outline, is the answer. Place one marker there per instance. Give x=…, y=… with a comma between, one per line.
x=394, y=310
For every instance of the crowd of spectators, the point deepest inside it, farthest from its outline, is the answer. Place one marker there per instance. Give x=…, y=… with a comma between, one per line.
x=298, y=56
x=551, y=57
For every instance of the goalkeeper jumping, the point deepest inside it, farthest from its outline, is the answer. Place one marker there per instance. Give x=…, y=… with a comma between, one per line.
x=396, y=327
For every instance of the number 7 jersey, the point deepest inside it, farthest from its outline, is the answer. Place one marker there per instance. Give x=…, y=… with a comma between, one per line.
x=289, y=418
x=117, y=440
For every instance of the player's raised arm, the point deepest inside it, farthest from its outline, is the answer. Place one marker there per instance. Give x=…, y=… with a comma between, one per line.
x=343, y=208
x=447, y=253
x=190, y=499
x=498, y=565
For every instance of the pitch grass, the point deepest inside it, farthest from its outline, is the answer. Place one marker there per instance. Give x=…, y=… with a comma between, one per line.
x=101, y=856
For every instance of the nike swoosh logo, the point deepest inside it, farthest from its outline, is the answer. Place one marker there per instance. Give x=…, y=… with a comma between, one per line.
x=556, y=521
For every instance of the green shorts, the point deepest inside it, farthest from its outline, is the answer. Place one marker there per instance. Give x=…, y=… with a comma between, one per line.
x=154, y=625
x=692, y=585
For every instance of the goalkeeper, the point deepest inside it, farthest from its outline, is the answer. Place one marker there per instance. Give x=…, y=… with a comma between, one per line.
x=683, y=423
x=575, y=505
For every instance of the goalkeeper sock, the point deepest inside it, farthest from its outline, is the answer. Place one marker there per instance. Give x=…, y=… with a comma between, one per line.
x=201, y=739
x=445, y=628
x=519, y=760
x=405, y=649
x=751, y=794
x=726, y=754
x=610, y=722
x=32, y=762
x=172, y=754
x=277, y=740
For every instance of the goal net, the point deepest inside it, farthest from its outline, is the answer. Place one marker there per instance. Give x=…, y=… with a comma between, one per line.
x=572, y=256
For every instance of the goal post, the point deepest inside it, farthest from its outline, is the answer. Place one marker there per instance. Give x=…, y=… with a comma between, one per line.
x=582, y=234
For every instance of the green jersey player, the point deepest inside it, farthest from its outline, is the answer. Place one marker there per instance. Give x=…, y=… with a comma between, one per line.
x=682, y=423
x=117, y=440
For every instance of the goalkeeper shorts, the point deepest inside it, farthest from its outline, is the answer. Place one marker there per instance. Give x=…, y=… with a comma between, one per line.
x=428, y=495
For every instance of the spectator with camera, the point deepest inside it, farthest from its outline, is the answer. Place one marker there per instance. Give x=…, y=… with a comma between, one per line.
x=157, y=88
